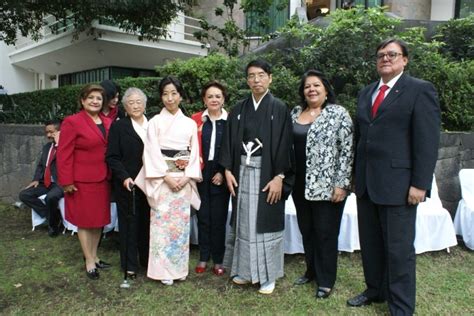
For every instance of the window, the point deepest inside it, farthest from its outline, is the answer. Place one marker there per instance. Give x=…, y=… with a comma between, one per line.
x=317, y=8
x=100, y=74
x=276, y=18
x=366, y=3
x=464, y=8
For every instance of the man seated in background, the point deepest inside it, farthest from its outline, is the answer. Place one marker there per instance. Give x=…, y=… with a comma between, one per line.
x=44, y=182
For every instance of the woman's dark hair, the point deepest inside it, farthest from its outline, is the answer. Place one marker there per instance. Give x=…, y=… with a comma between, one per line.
x=259, y=63
x=214, y=84
x=400, y=43
x=331, y=96
x=175, y=82
x=88, y=89
x=111, y=89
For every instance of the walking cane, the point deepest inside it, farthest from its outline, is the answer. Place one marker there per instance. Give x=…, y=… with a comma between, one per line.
x=125, y=284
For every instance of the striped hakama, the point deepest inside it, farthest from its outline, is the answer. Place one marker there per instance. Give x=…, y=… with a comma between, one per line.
x=256, y=257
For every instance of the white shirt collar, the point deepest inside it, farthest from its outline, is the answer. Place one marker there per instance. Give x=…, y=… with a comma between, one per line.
x=222, y=117
x=391, y=83
x=255, y=103
x=164, y=111
x=140, y=129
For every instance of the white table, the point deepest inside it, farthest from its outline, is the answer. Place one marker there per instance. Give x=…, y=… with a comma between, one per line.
x=434, y=227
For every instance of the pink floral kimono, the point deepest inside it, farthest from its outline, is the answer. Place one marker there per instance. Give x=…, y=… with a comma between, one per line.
x=171, y=144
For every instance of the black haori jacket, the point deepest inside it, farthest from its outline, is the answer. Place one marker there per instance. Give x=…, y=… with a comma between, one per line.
x=277, y=156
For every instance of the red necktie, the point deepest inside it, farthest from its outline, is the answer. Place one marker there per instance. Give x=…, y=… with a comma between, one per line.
x=47, y=172
x=379, y=100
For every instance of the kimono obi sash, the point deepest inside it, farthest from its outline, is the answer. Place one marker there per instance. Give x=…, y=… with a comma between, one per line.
x=176, y=160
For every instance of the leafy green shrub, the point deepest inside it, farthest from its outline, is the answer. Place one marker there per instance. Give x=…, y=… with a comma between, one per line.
x=39, y=106
x=456, y=93
x=344, y=50
x=196, y=72
x=458, y=38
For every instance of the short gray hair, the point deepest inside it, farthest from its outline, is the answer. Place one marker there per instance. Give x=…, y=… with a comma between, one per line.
x=131, y=91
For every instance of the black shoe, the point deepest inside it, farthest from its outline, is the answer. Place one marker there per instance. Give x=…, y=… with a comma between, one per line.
x=102, y=265
x=302, y=280
x=323, y=293
x=93, y=274
x=131, y=275
x=53, y=232
x=362, y=300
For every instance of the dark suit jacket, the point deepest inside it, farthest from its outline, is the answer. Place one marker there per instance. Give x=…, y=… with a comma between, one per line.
x=124, y=151
x=43, y=160
x=398, y=148
x=81, y=150
x=204, y=134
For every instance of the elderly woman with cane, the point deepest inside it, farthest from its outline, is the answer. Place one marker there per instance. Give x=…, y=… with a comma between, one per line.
x=124, y=157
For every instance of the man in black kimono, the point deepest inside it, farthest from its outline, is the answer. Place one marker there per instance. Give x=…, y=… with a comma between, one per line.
x=257, y=155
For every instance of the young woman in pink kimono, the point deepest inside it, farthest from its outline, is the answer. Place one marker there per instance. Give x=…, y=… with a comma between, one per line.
x=168, y=178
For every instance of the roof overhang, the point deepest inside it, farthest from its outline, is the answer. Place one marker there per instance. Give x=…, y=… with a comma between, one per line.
x=61, y=54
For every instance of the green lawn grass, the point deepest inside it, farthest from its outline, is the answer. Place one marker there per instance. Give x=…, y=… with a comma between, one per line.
x=43, y=275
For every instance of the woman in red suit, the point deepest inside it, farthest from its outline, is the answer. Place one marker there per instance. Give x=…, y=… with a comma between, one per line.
x=83, y=173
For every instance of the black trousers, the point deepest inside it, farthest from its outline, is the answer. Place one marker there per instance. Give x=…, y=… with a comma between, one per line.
x=49, y=209
x=212, y=219
x=387, y=235
x=134, y=229
x=319, y=223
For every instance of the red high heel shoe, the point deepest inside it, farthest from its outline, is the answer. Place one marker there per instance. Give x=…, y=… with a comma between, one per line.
x=218, y=270
x=200, y=269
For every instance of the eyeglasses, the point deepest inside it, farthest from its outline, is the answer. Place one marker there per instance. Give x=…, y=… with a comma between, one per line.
x=260, y=76
x=390, y=55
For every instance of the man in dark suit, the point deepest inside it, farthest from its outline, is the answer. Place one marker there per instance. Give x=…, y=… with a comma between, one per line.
x=397, y=136
x=45, y=182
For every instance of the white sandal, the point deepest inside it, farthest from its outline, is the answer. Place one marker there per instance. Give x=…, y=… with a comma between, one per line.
x=167, y=282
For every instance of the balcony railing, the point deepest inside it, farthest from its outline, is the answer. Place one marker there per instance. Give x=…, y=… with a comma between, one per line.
x=182, y=28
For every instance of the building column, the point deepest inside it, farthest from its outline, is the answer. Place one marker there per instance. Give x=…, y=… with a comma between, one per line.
x=410, y=9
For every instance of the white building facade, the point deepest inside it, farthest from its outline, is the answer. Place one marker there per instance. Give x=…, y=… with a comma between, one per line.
x=110, y=53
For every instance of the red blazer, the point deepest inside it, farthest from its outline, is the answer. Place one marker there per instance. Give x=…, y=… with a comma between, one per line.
x=197, y=117
x=81, y=150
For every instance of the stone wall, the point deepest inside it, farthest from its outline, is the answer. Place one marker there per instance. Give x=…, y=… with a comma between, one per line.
x=456, y=152
x=20, y=146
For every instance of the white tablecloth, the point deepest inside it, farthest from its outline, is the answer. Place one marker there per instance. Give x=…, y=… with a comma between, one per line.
x=464, y=219
x=434, y=227
x=38, y=220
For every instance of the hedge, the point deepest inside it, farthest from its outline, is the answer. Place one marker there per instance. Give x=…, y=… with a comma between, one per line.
x=39, y=106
